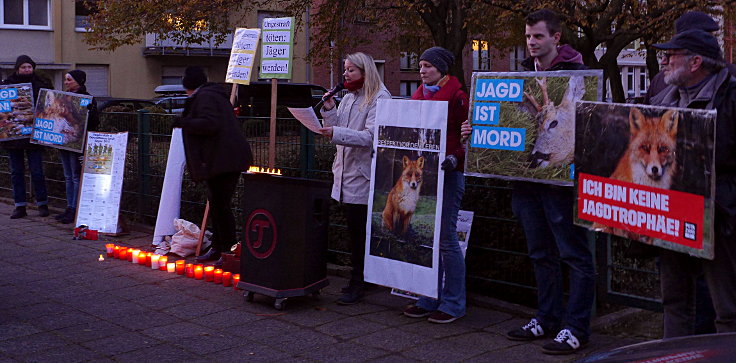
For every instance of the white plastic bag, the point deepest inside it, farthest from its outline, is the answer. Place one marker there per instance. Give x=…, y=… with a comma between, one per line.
x=184, y=242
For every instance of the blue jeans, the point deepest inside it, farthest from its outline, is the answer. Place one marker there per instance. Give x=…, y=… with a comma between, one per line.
x=72, y=171
x=545, y=213
x=452, y=263
x=18, y=177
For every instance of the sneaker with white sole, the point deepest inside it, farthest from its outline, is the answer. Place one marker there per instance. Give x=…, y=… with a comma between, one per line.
x=565, y=343
x=531, y=331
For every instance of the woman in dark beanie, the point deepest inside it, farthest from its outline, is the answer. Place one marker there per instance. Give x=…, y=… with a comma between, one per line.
x=74, y=82
x=25, y=72
x=437, y=85
x=216, y=151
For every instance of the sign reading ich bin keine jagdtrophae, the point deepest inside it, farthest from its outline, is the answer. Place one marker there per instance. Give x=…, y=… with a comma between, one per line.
x=524, y=123
x=277, y=47
x=647, y=173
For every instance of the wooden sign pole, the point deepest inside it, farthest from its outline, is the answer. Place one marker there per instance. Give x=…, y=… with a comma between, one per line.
x=272, y=127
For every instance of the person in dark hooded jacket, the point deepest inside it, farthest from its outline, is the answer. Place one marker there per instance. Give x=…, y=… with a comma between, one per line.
x=25, y=72
x=217, y=152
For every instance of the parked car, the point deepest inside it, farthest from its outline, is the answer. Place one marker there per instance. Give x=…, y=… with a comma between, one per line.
x=171, y=98
x=255, y=99
x=113, y=104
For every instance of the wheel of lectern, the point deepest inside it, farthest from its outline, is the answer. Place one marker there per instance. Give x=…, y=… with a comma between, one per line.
x=279, y=304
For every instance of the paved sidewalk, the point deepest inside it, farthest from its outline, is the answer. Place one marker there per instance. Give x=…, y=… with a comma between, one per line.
x=58, y=303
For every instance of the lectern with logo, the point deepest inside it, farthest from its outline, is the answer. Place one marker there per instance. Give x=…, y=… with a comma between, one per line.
x=284, y=252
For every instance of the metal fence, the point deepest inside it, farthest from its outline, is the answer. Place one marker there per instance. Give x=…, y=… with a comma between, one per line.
x=497, y=261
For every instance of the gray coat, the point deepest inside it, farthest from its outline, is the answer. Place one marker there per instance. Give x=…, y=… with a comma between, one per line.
x=352, y=127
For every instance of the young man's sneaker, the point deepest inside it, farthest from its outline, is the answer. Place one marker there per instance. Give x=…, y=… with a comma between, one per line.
x=564, y=343
x=440, y=317
x=530, y=331
x=416, y=312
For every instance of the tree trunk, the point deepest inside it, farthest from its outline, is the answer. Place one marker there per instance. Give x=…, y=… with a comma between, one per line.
x=612, y=73
x=652, y=62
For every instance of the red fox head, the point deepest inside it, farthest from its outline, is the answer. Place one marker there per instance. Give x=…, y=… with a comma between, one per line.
x=653, y=142
x=411, y=177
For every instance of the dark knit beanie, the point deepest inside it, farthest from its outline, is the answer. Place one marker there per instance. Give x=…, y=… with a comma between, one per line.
x=79, y=76
x=695, y=20
x=24, y=59
x=193, y=77
x=441, y=58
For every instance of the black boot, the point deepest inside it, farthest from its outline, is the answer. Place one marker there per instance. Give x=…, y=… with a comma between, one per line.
x=19, y=212
x=69, y=217
x=43, y=210
x=63, y=214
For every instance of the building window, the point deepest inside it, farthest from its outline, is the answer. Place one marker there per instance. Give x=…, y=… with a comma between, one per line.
x=409, y=62
x=407, y=88
x=25, y=14
x=481, y=56
x=518, y=54
x=82, y=10
x=172, y=75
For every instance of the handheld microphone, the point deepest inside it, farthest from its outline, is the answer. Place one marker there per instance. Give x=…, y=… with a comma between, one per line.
x=330, y=94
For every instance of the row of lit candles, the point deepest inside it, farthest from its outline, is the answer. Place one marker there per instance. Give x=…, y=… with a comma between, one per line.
x=180, y=267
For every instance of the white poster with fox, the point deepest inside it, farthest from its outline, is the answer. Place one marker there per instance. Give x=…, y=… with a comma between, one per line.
x=405, y=202
x=524, y=123
x=647, y=173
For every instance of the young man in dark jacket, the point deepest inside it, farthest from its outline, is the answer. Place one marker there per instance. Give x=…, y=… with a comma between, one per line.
x=25, y=72
x=217, y=152
x=693, y=67
x=545, y=213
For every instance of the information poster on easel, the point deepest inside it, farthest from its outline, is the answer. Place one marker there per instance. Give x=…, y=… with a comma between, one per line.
x=102, y=181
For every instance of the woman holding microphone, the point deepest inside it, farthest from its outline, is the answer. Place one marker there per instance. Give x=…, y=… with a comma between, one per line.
x=350, y=128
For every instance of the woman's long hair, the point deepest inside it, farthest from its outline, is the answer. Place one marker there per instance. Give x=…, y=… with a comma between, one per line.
x=372, y=83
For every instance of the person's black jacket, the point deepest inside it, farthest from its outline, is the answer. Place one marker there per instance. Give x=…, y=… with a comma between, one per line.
x=214, y=143
x=37, y=83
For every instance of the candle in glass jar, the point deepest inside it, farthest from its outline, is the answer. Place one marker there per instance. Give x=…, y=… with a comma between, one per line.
x=148, y=258
x=123, y=253
x=180, y=267
x=198, y=272
x=162, y=263
x=209, y=273
x=130, y=255
x=142, y=258
x=171, y=267
x=218, y=276
x=135, y=253
x=154, y=261
x=110, y=247
x=189, y=269
x=236, y=279
x=226, y=279
x=116, y=252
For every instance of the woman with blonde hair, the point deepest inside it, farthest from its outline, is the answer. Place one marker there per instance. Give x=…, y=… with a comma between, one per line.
x=350, y=128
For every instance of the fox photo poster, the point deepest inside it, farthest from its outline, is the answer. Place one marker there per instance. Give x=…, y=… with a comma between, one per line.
x=60, y=120
x=647, y=173
x=524, y=123
x=16, y=111
x=402, y=242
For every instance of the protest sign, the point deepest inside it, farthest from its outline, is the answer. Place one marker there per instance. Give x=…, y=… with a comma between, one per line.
x=102, y=181
x=60, y=120
x=647, y=173
x=242, y=55
x=464, y=224
x=405, y=201
x=277, y=49
x=16, y=111
x=524, y=125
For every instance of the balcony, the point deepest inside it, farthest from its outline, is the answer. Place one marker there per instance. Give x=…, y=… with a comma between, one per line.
x=157, y=46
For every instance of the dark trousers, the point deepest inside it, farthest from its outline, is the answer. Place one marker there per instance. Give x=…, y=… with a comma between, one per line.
x=18, y=175
x=357, y=217
x=545, y=213
x=220, y=190
x=678, y=278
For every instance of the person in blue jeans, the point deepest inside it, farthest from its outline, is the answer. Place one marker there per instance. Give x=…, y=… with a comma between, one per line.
x=438, y=85
x=545, y=213
x=25, y=72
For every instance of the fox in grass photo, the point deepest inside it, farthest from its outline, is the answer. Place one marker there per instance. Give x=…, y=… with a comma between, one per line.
x=402, y=200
